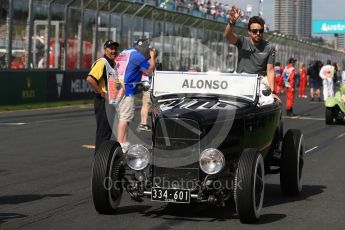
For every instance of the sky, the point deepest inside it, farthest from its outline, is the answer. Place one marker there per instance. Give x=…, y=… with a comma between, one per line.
x=322, y=9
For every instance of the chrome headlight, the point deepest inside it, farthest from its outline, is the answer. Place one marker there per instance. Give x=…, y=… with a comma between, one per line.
x=138, y=157
x=211, y=161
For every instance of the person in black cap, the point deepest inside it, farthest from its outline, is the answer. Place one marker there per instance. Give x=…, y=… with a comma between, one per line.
x=289, y=82
x=315, y=80
x=131, y=63
x=98, y=80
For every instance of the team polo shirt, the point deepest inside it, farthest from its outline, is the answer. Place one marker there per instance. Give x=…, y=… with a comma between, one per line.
x=130, y=63
x=99, y=73
x=252, y=59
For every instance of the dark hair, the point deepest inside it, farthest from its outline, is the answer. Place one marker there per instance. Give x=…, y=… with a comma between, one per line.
x=277, y=64
x=329, y=62
x=143, y=47
x=335, y=66
x=110, y=43
x=256, y=19
x=291, y=60
x=317, y=65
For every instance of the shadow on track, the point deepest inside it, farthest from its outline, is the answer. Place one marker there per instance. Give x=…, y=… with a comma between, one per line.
x=192, y=212
x=274, y=196
x=201, y=212
x=4, y=217
x=132, y=209
x=18, y=199
x=175, y=213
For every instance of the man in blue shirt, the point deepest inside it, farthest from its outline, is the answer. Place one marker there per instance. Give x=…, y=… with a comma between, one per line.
x=130, y=64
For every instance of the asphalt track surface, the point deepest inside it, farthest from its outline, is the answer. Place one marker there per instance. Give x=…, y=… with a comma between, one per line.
x=46, y=163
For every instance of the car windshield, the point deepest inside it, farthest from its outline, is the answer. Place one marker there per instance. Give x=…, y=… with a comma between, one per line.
x=221, y=85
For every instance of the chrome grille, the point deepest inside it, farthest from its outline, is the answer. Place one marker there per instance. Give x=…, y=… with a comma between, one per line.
x=176, y=153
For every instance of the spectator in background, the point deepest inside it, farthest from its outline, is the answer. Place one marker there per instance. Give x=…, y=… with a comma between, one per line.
x=327, y=73
x=278, y=84
x=303, y=81
x=314, y=80
x=289, y=74
x=2, y=61
x=97, y=79
x=335, y=78
x=130, y=64
x=39, y=52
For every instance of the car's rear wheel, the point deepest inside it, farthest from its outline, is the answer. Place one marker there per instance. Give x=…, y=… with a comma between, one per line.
x=329, y=116
x=292, y=162
x=107, y=174
x=249, y=188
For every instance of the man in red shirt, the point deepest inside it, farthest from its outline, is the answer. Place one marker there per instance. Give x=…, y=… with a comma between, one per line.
x=278, y=84
x=289, y=82
x=302, y=81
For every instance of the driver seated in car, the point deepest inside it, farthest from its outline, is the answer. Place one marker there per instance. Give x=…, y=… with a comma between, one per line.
x=255, y=55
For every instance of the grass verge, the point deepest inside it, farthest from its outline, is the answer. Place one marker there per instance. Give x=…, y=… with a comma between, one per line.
x=44, y=105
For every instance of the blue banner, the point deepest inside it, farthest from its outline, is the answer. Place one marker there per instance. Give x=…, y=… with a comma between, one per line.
x=329, y=26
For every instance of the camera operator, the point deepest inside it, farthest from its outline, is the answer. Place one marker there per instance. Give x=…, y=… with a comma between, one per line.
x=146, y=80
x=131, y=62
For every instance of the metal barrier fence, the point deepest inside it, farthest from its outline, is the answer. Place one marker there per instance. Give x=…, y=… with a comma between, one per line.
x=68, y=34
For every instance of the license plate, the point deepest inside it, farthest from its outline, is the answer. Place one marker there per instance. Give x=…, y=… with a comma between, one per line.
x=170, y=195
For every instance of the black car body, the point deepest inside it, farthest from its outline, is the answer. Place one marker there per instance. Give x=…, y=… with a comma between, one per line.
x=206, y=147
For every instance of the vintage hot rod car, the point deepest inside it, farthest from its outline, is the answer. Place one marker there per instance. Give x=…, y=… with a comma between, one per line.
x=211, y=142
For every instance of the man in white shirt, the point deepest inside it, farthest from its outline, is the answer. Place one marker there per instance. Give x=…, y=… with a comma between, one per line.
x=327, y=74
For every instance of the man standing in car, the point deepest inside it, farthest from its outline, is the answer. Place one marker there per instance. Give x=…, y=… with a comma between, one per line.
x=255, y=55
x=98, y=79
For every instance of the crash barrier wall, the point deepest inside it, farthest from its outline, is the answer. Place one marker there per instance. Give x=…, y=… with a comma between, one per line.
x=21, y=87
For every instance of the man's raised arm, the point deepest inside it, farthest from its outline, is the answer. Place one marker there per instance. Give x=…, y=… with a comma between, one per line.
x=228, y=33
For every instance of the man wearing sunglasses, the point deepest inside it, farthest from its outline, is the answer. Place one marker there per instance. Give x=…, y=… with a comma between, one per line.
x=255, y=55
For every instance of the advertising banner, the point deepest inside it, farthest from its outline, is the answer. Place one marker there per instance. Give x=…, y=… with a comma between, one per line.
x=74, y=86
x=19, y=87
x=68, y=85
x=54, y=85
x=328, y=26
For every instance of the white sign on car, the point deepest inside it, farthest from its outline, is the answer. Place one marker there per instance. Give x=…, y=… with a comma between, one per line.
x=208, y=83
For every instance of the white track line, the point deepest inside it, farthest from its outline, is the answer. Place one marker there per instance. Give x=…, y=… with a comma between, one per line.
x=305, y=118
x=309, y=150
x=12, y=123
x=340, y=135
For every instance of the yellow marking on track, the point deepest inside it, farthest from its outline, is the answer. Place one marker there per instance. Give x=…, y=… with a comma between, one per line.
x=88, y=146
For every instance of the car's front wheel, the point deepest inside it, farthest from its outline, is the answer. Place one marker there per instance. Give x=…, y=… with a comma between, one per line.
x=107, y=174
x=249, y=189
x=291, y=164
